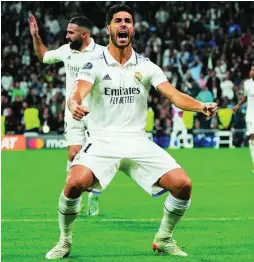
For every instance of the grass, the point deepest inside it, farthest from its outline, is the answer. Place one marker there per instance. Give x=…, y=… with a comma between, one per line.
x=218, y=227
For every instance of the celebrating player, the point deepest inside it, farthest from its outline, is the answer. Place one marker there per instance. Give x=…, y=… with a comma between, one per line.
x=73, y=55
x=118, y=83
x=249, y=96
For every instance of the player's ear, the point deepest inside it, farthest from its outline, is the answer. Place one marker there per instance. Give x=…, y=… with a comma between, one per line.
x=108, y=29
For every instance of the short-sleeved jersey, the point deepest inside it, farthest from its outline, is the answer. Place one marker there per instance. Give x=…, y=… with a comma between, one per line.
x=73, y=60
x=118, y=99
x=249, y=92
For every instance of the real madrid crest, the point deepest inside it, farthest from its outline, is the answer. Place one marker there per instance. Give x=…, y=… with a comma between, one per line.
x=138, y=77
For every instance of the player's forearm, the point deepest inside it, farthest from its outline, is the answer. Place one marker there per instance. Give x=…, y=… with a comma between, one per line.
x=39, y=48
x=243, y=101
x=187, y=103
x=179, y=99
x=74, y=100
x=80, y=90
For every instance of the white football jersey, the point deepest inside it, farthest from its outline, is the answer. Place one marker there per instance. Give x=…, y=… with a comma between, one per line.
x=73, y=60
x=118, y=99
x=249, y=92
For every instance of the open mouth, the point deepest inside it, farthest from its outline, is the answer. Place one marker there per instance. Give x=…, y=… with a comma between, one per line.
x=123, y=37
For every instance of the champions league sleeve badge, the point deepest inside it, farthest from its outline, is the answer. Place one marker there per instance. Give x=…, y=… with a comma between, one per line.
x=88, y=66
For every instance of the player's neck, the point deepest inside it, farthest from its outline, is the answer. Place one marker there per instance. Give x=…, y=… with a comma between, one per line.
x=121, y=55
x=85, y=44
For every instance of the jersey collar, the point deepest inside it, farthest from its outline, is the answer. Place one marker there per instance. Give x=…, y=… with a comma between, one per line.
x=110, y=60
x=89, y=48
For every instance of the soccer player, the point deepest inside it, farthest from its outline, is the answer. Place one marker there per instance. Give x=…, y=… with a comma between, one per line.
x=73, y=55
x=118, y=84
x=249, y=97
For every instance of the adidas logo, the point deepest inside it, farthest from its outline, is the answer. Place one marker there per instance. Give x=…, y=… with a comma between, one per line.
x=107, y=77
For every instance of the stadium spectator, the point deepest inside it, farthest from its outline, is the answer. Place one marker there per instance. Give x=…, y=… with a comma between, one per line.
x=227, y=87
x=7, y=81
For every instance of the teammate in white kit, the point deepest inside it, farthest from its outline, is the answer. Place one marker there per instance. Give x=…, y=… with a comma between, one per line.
x=81, y=46
x=118, y=84
x=249, y=98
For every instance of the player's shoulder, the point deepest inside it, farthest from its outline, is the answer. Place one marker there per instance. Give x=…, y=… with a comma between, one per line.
x=247, y=83
x=142, y=59
x=99, y=48
x=65, y=47
x=146, y=63
x=94, y=61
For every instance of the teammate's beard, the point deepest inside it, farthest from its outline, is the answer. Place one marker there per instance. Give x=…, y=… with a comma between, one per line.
x=76, y=44
x=113, y=37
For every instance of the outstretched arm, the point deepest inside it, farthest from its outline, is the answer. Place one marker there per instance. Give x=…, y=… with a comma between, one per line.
x=39, y=48
x=186, y=102
x=80, y=91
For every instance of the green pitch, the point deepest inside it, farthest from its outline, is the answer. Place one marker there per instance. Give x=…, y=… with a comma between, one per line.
x=218, y=227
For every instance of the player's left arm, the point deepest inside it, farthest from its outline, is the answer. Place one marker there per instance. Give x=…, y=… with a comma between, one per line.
x=186, y=102
x=80, y=91
x=179, y=99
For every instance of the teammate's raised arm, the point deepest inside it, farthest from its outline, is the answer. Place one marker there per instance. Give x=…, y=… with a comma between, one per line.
x=186, y=102
x=80, y=91
x=39, y=48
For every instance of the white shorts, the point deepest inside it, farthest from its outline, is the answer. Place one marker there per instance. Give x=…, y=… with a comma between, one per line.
x=250, y=127
x=74, y=131
x=136, y=155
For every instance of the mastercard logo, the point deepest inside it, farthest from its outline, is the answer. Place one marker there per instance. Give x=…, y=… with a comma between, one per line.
x=36, y=143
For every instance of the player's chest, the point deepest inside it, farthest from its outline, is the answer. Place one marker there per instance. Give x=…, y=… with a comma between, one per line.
x=116, y=77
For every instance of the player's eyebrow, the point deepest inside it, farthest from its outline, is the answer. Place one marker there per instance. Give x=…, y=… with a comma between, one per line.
x=118, y=19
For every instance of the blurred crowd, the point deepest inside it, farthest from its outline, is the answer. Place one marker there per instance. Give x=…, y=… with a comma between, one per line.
x=205, y=48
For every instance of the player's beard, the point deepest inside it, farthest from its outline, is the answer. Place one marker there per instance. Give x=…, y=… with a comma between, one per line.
x=76, y=44
x=113, y=37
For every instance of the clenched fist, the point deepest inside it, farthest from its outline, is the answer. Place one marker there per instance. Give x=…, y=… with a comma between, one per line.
x=210, y=109
x=79, y=111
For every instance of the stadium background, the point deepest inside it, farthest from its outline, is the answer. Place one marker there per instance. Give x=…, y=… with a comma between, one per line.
x=205, y=48
x=202, y=47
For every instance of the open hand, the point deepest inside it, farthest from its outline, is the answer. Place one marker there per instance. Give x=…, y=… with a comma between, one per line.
x=34, y=30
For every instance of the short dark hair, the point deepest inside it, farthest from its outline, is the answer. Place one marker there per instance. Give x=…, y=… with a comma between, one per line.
x=82, y=21
x=118, y=8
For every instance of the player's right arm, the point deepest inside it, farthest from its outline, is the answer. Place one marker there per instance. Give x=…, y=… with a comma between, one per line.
x=80, y=91
x=82, y=87
x=44, y=55
x=39, y=48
